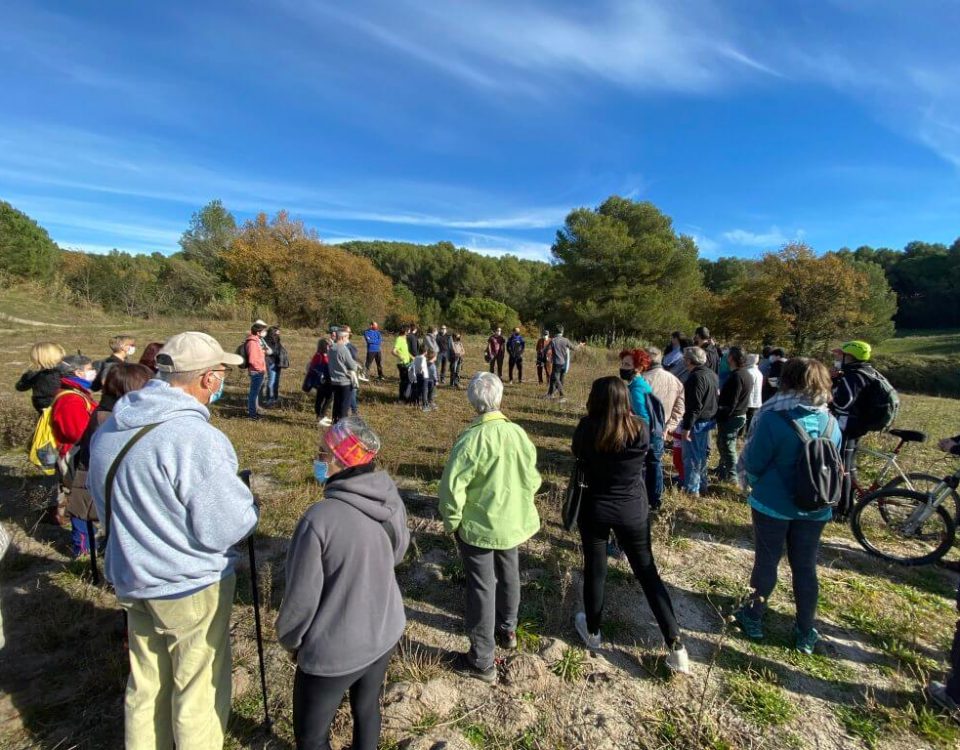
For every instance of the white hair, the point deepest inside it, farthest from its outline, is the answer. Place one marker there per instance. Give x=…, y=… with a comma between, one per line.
x=695, y=355
x=656, y=355
x=485, y=392
x=752, y=359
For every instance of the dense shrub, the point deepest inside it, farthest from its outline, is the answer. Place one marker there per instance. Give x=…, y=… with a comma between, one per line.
x=17, y=421
x=932, y=376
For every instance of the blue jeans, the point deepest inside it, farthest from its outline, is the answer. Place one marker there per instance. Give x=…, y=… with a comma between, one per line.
x=696, y=451
x=802, y=539
x=256, y=383
x=273, y=383
x=654, y=471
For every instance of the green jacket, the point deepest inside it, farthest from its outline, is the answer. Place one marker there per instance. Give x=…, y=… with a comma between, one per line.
x=487, y=488
x=401, y=351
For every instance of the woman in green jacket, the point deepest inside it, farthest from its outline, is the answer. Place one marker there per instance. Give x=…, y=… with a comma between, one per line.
x=486, y=501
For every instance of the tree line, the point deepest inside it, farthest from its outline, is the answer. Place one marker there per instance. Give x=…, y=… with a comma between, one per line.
x=617, y=270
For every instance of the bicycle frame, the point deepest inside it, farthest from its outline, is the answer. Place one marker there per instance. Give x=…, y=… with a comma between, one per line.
x=935, y=498
x=880, y=481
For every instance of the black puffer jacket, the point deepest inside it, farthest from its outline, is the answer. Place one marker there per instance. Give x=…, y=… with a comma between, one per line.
x=43, y=383
x=700, y=393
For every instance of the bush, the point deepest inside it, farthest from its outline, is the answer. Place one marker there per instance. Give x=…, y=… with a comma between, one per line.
x=481, y=315
x=931, y=376
x=16, y=424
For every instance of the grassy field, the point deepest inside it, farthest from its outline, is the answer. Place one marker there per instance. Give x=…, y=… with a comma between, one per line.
x=938, y=342
x=887, y=629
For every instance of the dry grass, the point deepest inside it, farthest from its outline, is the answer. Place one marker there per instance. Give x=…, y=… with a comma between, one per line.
x=887, y=627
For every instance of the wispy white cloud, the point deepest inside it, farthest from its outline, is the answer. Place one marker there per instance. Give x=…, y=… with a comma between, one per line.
x=491, y=244
x=772, y=238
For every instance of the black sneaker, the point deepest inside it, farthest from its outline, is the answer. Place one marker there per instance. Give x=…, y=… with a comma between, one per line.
x=465, y=668
x=506, y=639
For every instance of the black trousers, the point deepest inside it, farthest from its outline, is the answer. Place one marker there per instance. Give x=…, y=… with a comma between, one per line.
x=634, y=540
x=556, y=380
x=316, y=700
x=518, y=363
x=404, y=373
x=324, y=397
x=371, y=358
x=848, y=449
x=342, y=397
x=498, y=361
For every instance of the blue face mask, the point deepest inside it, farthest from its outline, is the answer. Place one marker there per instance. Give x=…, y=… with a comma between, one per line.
x=216, y=396
x=320, y=471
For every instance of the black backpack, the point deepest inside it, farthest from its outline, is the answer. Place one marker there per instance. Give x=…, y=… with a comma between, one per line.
x=819, y=482
x=877, y=404
x=242, y=352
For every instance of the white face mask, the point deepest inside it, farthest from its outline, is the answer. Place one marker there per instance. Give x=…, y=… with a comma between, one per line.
x=838, y=364
x=90, y=375
x=131, y=350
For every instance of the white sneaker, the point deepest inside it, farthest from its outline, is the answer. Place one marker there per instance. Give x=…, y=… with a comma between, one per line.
x=324, y=421
x=591, y=640
x=678, y=660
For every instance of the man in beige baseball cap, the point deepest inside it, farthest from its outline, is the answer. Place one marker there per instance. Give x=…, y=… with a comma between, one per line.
x=176, y=511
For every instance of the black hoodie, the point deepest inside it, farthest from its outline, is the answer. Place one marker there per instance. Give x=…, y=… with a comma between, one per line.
x=43, y=383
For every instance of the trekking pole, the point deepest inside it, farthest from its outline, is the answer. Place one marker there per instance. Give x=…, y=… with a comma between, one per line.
x=255, y=588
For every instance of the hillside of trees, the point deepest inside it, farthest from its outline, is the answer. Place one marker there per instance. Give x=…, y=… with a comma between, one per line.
x=617, y=270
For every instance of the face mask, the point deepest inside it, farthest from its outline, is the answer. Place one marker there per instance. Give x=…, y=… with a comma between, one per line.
x=627, y=375
x=90, y=375
x=320, y=471
x=218, y=393
x=131, y=350
x=838, y=364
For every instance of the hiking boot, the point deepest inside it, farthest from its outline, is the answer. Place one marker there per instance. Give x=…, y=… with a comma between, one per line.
x=506, y=639
x=466, y=668
x=590, y=640
x=751, y=627
x=678, y=661
x=939, y=695
x=324, y=422
x=804, y=642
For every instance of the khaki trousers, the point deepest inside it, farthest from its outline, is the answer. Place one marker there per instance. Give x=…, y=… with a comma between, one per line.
x=179, y=689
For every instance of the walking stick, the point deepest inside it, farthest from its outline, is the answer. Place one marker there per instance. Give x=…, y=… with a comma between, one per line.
x=255, y=588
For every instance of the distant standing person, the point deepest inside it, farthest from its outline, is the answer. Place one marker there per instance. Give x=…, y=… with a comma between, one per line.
x=515, y=347
x=771, y=382
x=374, y=341
x=669, y=390
x=401, y=350
x=756, y=388
x=342, y=612
x=256, y=366
x=702, y=338
x=318, y=376
x=121, y=347
x=611, y=445
x=678, y=367
x=43, y=379
x=674, y=351
x=543, y=366
x=457, y=352
x=486, y=502
x=699, y=419
x=496, y=348
x=149, y=355
x=444, y=342
x=732, y=412
x=559, y=353
x=277, y=361
x=342, y=364
x=413, y=341
x=176, y=513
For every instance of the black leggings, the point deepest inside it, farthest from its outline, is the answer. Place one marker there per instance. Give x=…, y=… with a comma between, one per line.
x=324, y=397
x=634, y=540
x=316, y=700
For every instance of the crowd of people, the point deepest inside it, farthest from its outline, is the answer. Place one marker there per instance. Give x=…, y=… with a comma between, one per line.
x=144, y=477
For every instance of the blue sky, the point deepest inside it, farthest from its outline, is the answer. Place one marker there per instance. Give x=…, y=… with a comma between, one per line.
x=751, y=123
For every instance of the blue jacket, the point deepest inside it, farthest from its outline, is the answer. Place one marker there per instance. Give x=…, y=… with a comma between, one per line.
x=770, y=460
x=639, y=388
x=373, y=339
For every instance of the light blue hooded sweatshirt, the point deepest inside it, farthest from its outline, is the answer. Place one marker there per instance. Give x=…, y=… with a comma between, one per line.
x=178, y=505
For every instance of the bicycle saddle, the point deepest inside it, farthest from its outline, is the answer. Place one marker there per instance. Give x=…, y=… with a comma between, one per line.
x=910, y=436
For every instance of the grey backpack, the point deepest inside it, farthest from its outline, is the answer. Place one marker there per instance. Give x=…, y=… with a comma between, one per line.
x=819, y=482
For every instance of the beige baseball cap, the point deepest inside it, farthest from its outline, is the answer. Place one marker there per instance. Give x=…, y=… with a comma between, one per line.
x=191, y=351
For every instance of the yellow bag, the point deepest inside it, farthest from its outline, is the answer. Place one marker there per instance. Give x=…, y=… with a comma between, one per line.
x=43, y=445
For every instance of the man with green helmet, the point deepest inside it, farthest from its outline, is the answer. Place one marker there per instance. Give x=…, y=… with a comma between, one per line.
x=863, y=402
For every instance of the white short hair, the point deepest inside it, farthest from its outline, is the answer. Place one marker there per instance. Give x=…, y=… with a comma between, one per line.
x=656, y=355
x=752, y=359
x=485, y=392
x=695, y=355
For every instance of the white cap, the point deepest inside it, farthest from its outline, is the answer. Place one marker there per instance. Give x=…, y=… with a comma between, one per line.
x=191, y=351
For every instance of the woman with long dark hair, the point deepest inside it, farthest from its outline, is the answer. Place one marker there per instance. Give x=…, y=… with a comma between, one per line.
x=611, y=443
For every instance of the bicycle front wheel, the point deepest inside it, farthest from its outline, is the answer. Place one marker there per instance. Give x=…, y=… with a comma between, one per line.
x=925, y=484
x=881, y=521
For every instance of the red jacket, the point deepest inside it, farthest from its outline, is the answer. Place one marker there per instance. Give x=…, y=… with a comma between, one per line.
x=70, y=414
x=256, y=360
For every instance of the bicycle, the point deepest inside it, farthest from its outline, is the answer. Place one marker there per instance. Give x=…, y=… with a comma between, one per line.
x=906, y=526
x=914, y=481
